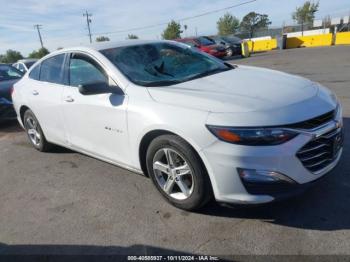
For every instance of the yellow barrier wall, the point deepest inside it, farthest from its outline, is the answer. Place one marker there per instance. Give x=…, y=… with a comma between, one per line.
x=309, y=41
x=342, y=38
x=262, y=45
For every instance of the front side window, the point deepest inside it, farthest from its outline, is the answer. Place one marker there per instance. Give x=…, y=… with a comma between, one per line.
x=9, y=72
x=52, y=69
x=84, y=70
x=160, y=64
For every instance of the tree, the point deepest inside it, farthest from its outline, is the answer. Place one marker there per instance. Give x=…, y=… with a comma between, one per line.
x=305, y=13
x=102, y=39
x=254, y=21
x=172, y=31
x=41, y=52
x=132, y=36
x=227, y=25
x=11, y=56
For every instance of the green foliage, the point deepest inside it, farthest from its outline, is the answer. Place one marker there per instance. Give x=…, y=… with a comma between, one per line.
x=102, y=39
x=227, y=25
x=172, y=31
x=41, y=52
x=306, y=12
x=11, y=56
x=253, y=22
x=132, y=36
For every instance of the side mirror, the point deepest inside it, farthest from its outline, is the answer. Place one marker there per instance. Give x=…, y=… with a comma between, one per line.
x=99, y=88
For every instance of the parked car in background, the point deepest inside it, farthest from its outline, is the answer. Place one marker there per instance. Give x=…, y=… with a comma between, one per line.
x=232, y=44
x=205, y=44
x=24, y=64
x=8, y=77
x=197, y=126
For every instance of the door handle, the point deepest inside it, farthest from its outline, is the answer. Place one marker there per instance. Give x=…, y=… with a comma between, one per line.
x=69, y=99
x=35, y=93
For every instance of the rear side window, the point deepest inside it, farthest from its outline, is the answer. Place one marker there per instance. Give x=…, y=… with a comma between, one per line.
x=52, y=69
x=35, y=73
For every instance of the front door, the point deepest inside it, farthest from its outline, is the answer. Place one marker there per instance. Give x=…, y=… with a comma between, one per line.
x=96, y=124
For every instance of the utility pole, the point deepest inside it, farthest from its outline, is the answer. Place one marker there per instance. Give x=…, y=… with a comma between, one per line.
x=38, y=27
x=88, y=21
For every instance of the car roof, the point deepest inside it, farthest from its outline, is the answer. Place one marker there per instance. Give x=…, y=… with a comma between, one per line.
x=109, y=45
x=27, y=60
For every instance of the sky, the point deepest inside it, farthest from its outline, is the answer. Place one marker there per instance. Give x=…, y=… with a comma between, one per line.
x=63, y=24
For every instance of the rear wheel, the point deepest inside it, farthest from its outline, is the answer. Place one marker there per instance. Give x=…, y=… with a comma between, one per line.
x=178, y=173
x=35, y=133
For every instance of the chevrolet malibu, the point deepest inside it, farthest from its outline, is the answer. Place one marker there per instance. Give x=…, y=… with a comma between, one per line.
x=198, y=127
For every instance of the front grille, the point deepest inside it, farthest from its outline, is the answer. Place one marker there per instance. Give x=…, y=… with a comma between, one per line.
x=314, y=122
x=321, y=151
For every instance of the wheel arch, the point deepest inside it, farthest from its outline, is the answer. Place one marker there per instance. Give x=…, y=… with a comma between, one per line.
x=144, y=144
x=22, y=110
x=150, y=136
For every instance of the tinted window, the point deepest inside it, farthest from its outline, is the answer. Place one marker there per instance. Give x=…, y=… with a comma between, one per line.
x=205, y=41
x=29, y=64
x=52, y=69
x=84, y=70
x=9, y=72
x=35, y=73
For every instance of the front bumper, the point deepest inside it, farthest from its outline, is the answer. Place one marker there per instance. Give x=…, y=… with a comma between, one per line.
x=223, y=159
x=7, y=111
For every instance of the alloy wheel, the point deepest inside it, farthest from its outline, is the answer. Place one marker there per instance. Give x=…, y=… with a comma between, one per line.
x=33, y=131
x=173, y=174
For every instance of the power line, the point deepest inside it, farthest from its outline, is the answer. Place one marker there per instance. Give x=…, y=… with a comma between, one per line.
x=38, y=27
x=181, y=19
x=88, y=21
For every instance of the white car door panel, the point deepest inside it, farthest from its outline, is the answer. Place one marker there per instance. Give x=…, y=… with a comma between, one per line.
x=46, y=98
x=95, y=123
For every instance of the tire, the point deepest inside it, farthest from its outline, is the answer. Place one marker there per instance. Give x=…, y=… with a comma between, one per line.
x=178, y=177
x=35, y=133
x=229, y=52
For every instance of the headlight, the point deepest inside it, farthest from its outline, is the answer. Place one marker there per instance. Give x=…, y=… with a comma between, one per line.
x=252, y=136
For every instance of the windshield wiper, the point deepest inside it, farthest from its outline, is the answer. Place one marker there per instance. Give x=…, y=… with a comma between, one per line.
x=162, y=83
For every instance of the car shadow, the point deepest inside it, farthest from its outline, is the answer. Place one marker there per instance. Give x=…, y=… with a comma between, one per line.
x=10, y=126
x=84, y=253
x=323, y=207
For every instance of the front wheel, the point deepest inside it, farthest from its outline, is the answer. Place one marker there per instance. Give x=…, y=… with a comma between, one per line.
x=229, y=52
x=35, y=133
x=178, y=173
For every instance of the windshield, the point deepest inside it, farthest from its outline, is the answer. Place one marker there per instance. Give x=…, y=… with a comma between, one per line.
x=8, y=73
x=205, y=41
x=160, y=64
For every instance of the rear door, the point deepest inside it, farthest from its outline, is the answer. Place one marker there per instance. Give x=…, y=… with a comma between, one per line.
x=46, y=97
x=95, y=123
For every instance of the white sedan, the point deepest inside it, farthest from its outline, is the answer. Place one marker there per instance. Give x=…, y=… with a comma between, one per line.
x=199, y=127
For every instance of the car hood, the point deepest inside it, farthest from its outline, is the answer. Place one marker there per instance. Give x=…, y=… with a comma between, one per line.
x=243, y=89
